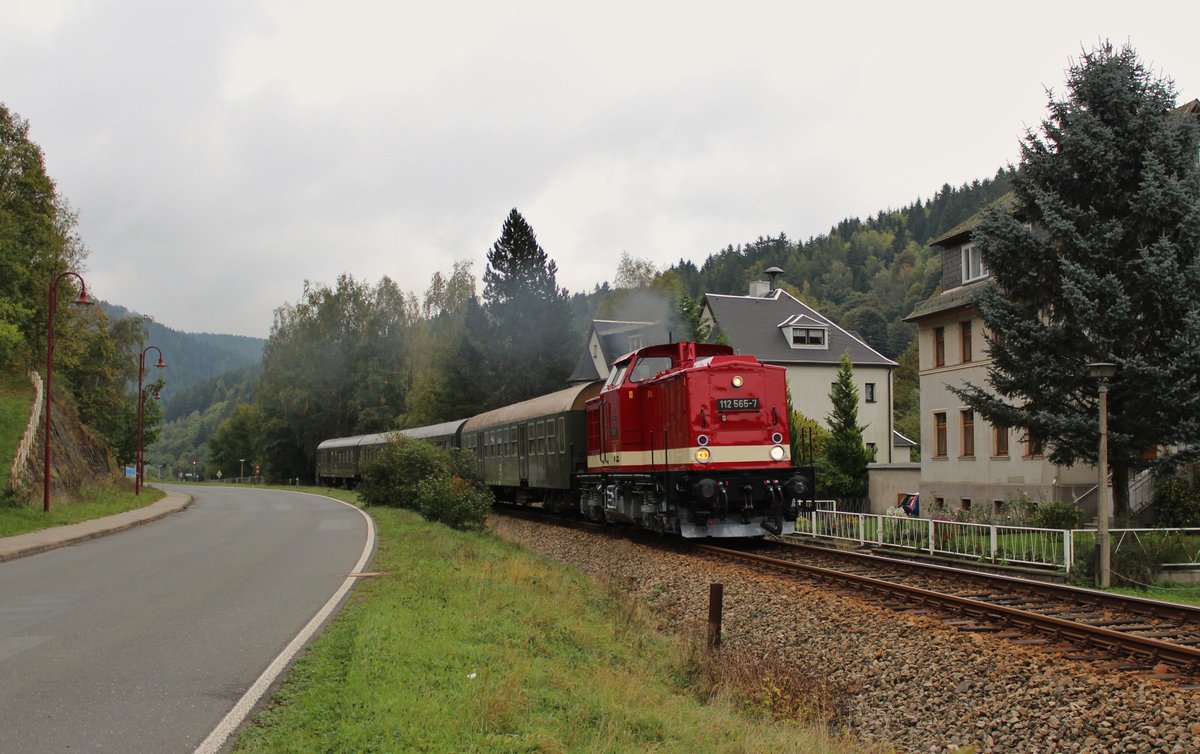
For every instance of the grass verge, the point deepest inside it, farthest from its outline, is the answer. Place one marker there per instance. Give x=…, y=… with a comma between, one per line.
x=469, y=644
x=91, y=501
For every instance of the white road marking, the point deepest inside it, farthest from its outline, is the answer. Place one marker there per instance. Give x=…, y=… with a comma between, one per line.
x=250, y=699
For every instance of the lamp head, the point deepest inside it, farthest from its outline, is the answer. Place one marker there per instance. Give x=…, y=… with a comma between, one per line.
x=83, y=299
x=1102, y=370
x=161, y=364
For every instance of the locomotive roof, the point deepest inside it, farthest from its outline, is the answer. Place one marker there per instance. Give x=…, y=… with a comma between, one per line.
x=573, y=398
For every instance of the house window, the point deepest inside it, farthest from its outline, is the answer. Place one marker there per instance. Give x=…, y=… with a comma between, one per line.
x=808, y=337
x=1000, y=441
x=968, y=433
x=871, y=450
x=973, y=267
x=1033, y=446
x=939, y=434
x=964, y=330
x=869, y=392
x=965, y=503
x=939, y=346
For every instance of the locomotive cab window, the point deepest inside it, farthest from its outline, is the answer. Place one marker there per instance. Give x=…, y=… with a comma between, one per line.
x=617, y=375
x=644, y=369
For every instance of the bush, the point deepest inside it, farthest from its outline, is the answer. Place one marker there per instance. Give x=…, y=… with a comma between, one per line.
x=454, y=501
x=1057, y=515
x=392, y=476
x=1176, y=503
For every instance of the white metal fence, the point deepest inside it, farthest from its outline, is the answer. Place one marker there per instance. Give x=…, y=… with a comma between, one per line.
x=995, y=543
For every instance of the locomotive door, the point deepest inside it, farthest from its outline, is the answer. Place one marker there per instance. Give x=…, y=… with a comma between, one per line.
x=523, y=451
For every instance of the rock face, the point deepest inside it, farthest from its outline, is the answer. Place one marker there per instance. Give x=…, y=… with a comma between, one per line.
x=76, y=455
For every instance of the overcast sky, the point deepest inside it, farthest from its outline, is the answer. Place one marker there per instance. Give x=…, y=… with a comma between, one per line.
x=221, y=152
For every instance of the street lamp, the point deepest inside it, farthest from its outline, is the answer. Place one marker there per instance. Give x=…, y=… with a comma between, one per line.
x=194, y=479
x=241, y=469
x=141, y=412
x=1102, y=372
x=83, y=300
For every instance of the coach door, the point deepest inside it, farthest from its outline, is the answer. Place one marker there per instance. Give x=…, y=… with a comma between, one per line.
x=523, y=451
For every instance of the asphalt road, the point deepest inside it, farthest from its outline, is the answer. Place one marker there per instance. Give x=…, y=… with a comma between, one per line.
x=143, y=640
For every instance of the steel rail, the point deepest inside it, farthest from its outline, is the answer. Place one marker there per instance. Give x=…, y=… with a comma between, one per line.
x=1174, y=654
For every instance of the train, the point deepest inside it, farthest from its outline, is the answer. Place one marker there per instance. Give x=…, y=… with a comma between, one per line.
x=683, y=438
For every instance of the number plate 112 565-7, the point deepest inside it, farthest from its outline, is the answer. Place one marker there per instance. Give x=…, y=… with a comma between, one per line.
x=737, y=404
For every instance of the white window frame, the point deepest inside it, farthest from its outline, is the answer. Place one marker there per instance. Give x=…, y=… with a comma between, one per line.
x=807, y=333
x=973, y=267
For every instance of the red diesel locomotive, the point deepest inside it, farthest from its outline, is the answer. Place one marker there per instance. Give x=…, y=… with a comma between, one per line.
x=692, y=439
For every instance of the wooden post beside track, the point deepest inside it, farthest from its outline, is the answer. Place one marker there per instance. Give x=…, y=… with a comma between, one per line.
x=716, y=598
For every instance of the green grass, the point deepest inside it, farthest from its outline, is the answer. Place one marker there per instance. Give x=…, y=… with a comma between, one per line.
x=469, y=644
x=16, y=400
x=91, y=501
x=1184, y=594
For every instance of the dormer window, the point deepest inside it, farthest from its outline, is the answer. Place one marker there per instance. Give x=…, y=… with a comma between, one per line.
x=973, y=267
x=803, y=331
x=807, y=337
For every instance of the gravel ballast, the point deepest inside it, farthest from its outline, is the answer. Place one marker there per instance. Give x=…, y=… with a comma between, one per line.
x=911, y=681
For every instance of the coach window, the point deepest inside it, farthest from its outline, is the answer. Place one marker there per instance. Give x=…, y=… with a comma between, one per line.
x=512, y=441
x=550, y=436
x=562, y=435
x=541, y=438
x=530, y=439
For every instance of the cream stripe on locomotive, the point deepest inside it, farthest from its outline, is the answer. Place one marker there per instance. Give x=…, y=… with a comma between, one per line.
x=718, y=454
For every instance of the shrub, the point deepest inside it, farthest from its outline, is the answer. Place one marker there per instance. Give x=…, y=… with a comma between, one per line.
x=1057, y=515
x=1176, y=503
x=453, y=501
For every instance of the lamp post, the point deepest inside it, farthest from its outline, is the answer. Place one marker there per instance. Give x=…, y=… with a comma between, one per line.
x=1102, y=372
x=194, y=479
x=241, y=469
x=139, y=463
x=141, y=413
x=83, y=300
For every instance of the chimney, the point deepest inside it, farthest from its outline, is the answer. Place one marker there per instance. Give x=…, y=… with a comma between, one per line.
x=759, y=288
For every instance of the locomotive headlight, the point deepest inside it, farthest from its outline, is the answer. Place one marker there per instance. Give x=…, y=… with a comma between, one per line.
x=777, y=453
x=702, y=455
x=737, y=381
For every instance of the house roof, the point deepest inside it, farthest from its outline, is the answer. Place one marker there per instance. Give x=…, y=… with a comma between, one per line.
x=962, y=232
x=900, y=441
x=613, y=336
x=751, y=325
x=955, y=298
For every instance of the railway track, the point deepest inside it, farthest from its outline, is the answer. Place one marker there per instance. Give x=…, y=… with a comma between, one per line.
x=1110, y=631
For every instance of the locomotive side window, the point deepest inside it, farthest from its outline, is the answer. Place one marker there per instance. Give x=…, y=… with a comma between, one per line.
x=646, y=368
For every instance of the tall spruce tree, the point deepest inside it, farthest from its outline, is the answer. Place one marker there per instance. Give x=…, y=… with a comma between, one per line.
x=846, y=457
x=1098, y=260
x=532, y=343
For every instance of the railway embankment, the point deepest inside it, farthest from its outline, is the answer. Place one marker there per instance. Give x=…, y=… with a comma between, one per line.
x=906, y=678
x=461, y=641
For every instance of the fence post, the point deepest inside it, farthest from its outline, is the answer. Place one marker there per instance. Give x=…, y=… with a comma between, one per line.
x=931, y=545
x=993, y=528
x=716, y=598
x=1068, y=549
x=862, y=529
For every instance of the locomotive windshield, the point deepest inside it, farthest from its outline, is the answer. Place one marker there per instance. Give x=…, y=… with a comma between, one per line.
x=616, y=375
x=647, y=367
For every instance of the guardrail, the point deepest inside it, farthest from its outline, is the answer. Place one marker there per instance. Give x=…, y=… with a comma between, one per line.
x=995, y=543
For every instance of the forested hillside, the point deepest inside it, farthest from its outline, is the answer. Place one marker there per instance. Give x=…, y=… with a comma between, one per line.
x=193, y=358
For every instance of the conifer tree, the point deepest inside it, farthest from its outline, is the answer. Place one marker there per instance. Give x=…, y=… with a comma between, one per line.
x=846, y=457
x=532, y=344
x=1097, y=259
